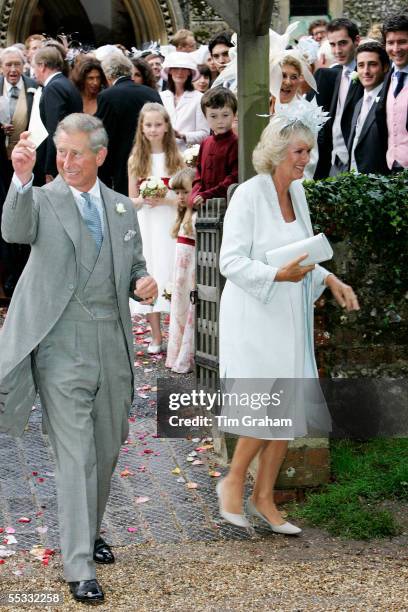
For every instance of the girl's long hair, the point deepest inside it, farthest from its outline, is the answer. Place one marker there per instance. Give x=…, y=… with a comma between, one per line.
x=140, y=160
x=183, y=180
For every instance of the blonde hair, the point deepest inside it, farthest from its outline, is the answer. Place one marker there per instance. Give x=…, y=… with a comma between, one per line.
x=289, y=60
x=272, y=147
x=183, y=179
x=140, y=160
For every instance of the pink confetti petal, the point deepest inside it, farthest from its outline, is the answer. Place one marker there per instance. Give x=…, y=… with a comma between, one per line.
x=10, y=530
x=142, y=499
x=132, y=529
x=24, y=519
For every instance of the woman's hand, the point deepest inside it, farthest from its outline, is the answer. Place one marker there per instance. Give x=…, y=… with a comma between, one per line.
x=343, y=293
x=293, y=272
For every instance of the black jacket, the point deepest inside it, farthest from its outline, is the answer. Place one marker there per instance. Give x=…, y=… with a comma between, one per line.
x=325, y=138
x=119, y=107
x=59, y=98
x=371, y=149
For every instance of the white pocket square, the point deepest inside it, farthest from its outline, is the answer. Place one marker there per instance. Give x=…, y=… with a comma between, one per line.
x=129, y=235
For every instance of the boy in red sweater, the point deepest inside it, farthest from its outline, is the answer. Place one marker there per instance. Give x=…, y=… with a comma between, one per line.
x=217, y=166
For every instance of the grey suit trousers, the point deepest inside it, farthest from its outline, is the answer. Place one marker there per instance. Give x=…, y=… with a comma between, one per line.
x=84, y=379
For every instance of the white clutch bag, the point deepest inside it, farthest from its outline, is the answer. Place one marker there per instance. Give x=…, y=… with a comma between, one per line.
x=317, y=247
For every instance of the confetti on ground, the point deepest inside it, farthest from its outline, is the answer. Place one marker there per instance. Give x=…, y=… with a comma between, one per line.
x=142, y=499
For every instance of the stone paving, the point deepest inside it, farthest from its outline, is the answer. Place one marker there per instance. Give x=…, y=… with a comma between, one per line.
x=173, y=512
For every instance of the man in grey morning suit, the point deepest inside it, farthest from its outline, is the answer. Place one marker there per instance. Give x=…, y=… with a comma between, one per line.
x=68, y=330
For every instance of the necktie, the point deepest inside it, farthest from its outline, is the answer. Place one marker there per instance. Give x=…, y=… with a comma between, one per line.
x=400, y=83
x=92, y=219
x=13, y=97
x=365, y=109
x=344, y=86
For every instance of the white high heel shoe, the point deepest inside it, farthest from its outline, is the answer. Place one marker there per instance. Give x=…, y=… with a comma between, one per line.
x=239, y=520
x=154, y=349
x=286, y=528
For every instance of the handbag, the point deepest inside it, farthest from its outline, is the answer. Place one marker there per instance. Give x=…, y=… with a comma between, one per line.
x=317, y=247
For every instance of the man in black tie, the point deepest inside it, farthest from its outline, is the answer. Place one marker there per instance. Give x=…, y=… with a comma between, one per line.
x=393, y=103
x=367, y=146
x=343, y=36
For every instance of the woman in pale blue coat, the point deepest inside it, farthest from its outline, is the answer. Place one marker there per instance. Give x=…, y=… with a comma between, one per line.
x=266, y=314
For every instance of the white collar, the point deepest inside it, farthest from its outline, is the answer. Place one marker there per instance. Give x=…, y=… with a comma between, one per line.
x=374, y=92
x=19, y=84
x=397, y=70
x=48, y=79
x=351, y=66
x=95, y=191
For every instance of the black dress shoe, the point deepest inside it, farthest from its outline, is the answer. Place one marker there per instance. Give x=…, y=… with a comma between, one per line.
x=102, y=552
x=87, y=591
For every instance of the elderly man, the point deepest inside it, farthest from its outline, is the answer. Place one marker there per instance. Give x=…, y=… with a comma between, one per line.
x=19, y=91
x=68, y=330
x=119, y=107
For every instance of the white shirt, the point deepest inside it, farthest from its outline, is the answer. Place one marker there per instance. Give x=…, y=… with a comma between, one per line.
x=8, y=86
x=48, y=79
x=96, y=199
x=395, y=74
x=368, y=100
x=339, y=146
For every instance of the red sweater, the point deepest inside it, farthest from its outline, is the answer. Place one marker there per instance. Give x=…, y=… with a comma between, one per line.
x=217, y=166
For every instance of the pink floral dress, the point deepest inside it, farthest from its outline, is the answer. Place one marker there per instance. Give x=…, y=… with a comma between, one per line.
x=180, y=349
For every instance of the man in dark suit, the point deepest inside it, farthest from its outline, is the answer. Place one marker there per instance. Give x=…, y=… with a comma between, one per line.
x=344, y=38
x=59, y=98
x=119, y=107
x=393, y=103
x=19, y=90
x=367, y=146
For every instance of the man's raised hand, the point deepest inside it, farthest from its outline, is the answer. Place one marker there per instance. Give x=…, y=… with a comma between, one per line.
x=23, y=158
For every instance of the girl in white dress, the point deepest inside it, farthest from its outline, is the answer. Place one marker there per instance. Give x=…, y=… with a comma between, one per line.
x=155, y=153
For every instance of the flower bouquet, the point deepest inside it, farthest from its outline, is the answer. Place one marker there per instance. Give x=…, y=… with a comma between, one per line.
x=190, y=155
x=153, y=187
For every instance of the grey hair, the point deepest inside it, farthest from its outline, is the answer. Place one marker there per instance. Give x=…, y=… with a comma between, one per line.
x=9, y=50
x=116, y=66
x=88, y=124
x=272, y=146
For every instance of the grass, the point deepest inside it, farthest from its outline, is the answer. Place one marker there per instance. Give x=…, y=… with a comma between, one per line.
x=364, y=474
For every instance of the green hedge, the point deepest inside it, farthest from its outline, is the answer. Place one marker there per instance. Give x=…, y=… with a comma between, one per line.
x=370, y=213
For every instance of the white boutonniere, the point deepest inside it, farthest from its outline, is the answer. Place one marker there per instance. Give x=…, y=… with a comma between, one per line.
x=354, y=77
x=31, y=90
x=120, y=208
x=377, y=99
x=129, y=235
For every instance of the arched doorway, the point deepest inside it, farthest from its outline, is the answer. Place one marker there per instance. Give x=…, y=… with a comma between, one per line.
x=130, y=22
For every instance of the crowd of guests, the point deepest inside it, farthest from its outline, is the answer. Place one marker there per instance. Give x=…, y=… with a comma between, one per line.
x=158, y=102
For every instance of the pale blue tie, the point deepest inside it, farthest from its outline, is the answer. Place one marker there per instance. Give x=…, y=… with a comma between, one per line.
x=92, y=219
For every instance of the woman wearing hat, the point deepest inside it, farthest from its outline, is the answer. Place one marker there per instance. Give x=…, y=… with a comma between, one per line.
x=182, y=101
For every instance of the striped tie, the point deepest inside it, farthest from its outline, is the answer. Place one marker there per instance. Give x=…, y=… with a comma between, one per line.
x=92, y=219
